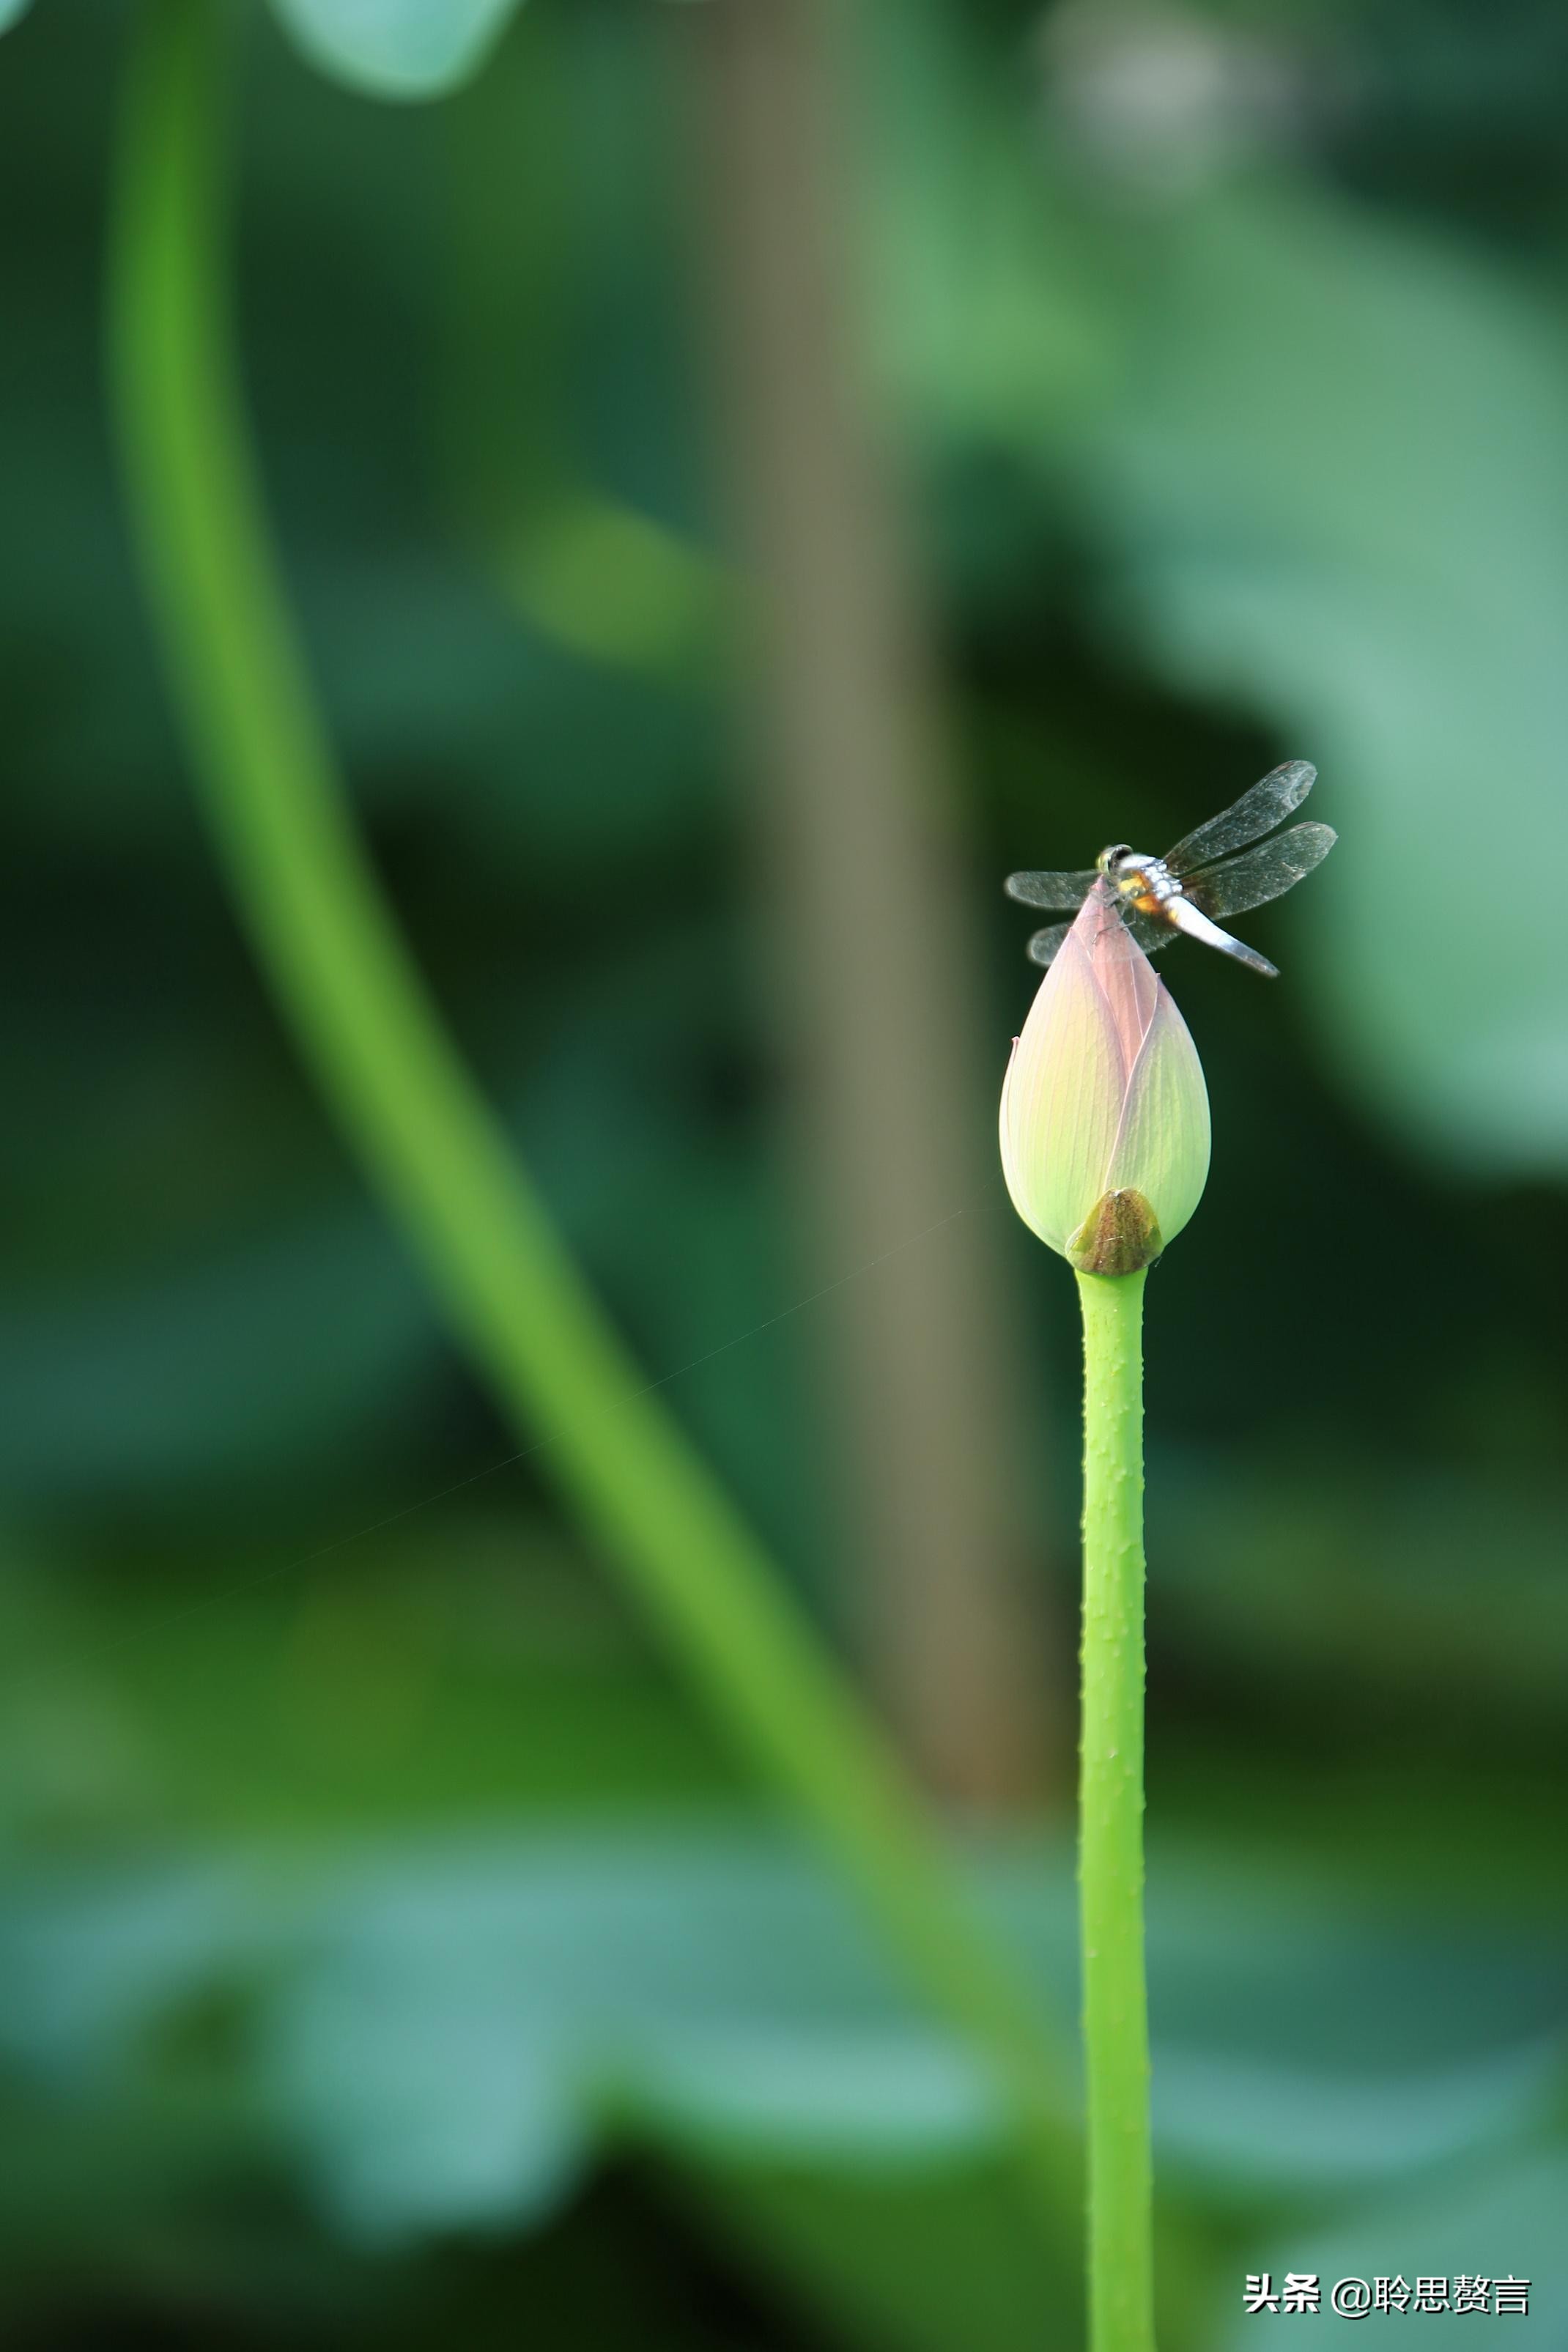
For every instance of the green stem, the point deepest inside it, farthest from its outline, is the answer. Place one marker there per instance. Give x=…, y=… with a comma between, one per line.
x=1110, y=1818
x=364, y=1021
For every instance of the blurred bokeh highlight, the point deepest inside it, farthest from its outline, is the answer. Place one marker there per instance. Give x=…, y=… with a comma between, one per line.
x=751, y=474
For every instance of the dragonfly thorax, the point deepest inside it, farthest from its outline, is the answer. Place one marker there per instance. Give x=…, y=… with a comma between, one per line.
x=1133, y=874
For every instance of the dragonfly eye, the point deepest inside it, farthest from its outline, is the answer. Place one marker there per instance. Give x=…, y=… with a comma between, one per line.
x=1108, y=859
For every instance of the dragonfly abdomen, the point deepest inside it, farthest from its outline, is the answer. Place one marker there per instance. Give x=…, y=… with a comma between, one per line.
x=1179, y=910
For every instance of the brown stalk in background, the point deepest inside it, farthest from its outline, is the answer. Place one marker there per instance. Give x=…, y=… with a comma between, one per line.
x=885, y=1029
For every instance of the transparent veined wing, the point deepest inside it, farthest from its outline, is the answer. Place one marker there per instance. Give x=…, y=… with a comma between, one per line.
x=1258, y=811
x=1150, y=934
x=1260, y=874
x=1058, y=893
x=1045, y=945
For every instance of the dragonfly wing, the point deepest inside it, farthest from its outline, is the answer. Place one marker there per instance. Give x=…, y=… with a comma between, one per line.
x=1150, y=934
x=1061, y=893
x=1257, y=811
x=1045, y=945
x=1264, y=873
x=1150, y=931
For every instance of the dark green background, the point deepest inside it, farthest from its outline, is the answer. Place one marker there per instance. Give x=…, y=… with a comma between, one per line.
x=1235, y=417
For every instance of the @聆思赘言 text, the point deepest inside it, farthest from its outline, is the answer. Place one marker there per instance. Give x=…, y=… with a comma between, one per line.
x=1363, y=2298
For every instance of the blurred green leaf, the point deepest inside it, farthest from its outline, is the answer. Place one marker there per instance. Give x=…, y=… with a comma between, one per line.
x=1324, y=454
x=449, y=2031
x=1335, y=480
x=497, y=2017
x=1253, y=2128
x=443, y=2036
x=101, y=1958
x=1502, y=2221
x=397, y=48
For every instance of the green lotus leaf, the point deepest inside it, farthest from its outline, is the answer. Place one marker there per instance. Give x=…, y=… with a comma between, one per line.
x=395, y=49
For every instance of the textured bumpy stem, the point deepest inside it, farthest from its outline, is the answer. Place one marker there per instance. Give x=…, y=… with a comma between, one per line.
x=1110, y=1802
x=365, y=1025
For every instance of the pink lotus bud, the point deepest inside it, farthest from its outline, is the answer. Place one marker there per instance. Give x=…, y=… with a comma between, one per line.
x=1105, y=1117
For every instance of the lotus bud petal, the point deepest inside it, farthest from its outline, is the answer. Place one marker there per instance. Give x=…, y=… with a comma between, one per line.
x=1105, y=1117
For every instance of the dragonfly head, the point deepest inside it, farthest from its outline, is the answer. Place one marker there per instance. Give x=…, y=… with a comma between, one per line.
x=1110, y=859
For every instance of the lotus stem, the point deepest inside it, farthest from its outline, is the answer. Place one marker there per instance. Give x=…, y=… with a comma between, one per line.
x=1110, y=1819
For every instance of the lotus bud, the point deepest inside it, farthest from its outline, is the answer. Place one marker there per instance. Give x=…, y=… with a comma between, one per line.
x=1105, y=1117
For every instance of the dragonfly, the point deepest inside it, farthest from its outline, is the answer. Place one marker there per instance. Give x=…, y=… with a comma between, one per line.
x=1200, y=882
